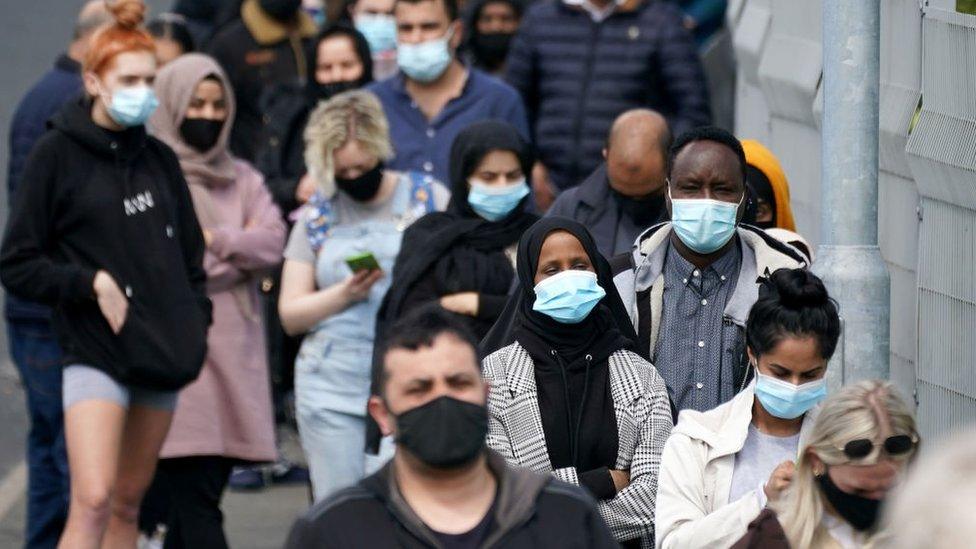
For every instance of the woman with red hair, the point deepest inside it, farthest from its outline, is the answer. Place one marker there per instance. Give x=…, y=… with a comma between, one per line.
x=104, y=231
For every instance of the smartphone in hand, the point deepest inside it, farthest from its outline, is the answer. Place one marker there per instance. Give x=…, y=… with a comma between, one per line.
x=363, y=262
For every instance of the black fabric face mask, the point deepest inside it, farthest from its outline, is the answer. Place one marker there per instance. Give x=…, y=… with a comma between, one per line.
x=642, y=211
x=201, y=133
x=765, y=224
x=324, y=92
x=859, y=512
x=282, y=10
x=445, y=433
x=492, y=48
x=364, y=187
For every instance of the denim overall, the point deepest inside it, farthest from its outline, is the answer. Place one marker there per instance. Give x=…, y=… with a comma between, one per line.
x=332, y=372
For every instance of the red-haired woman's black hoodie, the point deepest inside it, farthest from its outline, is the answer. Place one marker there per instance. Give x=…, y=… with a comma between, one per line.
x=94, y=200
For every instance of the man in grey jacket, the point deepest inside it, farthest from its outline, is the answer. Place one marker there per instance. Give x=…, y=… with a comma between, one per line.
x=694, y=279
x=625, y=195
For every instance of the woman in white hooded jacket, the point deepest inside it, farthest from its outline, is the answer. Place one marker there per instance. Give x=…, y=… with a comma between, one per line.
x=720, y=468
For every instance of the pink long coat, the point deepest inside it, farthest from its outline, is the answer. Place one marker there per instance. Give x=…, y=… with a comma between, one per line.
x=227, y=411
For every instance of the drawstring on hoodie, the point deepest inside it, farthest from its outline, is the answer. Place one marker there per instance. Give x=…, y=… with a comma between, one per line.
x=579, y=420
x=575, y=432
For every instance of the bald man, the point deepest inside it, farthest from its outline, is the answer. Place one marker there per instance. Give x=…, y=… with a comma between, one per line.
x=33, y=346
x=625, y=195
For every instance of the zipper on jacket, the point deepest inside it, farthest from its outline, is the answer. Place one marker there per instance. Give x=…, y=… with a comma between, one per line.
x=574, y=426
x=581, y=105
x=579, y=417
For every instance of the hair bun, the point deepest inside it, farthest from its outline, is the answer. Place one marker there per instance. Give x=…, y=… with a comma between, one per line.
x=795, y=289
x=128, y=14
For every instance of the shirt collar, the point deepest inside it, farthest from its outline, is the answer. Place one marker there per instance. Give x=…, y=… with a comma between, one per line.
x=399, y=83
x=725, y=267
x=268, y=31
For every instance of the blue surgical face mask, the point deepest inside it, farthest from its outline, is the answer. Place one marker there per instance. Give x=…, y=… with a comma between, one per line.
x=494, y=203
x=785, y=400
x=379, y=29
x=132, y=106
x=569, y=296
x=426, y=61
x=703, y=224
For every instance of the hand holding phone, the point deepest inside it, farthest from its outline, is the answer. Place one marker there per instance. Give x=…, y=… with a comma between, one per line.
x=358, y=285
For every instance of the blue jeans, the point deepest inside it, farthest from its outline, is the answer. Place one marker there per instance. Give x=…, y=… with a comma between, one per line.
x=334, y=444
x=35, y=351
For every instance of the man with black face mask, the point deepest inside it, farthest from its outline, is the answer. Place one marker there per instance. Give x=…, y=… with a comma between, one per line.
x=444, y=488
x=490, y=26
x=625, y=195
x=266, y=47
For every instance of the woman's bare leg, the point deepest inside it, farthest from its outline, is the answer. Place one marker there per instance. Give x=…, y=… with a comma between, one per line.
x=145, y=431
x=93, y=432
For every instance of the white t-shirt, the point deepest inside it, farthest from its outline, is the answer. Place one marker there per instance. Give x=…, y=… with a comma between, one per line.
x=757, y=459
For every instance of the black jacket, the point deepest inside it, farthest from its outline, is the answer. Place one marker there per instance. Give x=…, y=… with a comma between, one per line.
x=117, y=202
x=531, y=511
x=592, y=203
x=258, y=53
x=281, y=156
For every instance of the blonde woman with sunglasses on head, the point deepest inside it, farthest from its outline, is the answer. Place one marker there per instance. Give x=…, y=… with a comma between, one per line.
x=861, y=443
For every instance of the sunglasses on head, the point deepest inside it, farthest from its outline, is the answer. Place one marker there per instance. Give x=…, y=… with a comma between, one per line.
x=894, y=446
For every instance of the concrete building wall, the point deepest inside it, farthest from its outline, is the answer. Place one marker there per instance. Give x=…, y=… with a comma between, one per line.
x=927, y=179
x=942, y=158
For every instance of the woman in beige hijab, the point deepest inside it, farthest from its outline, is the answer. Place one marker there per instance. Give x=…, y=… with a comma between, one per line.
x=225, y=416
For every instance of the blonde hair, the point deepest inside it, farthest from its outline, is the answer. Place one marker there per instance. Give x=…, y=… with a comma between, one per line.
x=934, y=508
x=853, y=412
x=351, y=115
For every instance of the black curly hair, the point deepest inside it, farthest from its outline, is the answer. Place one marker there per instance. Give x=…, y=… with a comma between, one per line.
x=708, y=133
x=793, y=303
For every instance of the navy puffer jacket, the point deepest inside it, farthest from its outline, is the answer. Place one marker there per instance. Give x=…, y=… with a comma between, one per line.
x=576, y=76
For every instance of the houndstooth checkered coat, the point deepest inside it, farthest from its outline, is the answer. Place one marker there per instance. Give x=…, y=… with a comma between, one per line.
x=643, y=412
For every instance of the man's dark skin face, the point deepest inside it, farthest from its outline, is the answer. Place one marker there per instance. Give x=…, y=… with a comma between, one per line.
x=706, y=169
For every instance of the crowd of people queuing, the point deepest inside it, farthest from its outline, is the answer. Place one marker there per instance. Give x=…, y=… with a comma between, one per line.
x=511, y=286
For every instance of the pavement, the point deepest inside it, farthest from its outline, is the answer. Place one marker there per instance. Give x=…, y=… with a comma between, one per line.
x=13, y=472
x=253, y=520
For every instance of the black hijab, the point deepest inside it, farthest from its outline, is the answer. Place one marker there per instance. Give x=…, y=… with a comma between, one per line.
x=470, y=147
x=457, y=250
x=607, y=329
x=458, y=243
x=570, y=360
x=316, y=92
